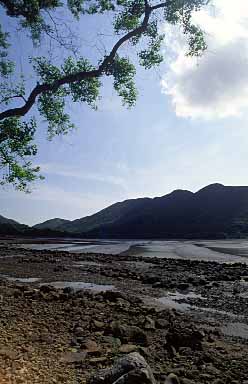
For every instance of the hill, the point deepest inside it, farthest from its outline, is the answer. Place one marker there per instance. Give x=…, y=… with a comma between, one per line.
x=11, y=227
x=106, y=216
x=216, y=211
x=52, y=224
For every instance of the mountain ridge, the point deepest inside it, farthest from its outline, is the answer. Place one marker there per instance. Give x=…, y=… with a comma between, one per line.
x=215, y=211
x=51, y=223
x=10, y=226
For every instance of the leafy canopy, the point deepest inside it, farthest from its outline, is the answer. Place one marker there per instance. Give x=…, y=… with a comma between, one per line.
x=76, y=78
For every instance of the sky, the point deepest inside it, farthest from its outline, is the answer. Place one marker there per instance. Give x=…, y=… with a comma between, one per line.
x=187, y=130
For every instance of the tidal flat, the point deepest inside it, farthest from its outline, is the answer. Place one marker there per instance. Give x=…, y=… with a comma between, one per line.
x=65, y=315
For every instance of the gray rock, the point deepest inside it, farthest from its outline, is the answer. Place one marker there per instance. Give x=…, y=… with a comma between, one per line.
x=162, y=323
x=131, y=369
x=185, y=337
x=172, y=379
x=79, y=331
x=149, y=323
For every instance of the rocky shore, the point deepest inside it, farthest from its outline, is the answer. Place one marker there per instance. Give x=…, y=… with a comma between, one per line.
x=69, y=335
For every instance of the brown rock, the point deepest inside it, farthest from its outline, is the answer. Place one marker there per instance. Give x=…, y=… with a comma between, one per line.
x=73, y=357
x=129, y=333
x=96, y=360
x=8, y=353
x=46, y=338
x=79, y=331
x=128, y=348
x=90, y=346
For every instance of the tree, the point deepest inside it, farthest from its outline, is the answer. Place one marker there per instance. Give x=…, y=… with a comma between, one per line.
x=76, y=78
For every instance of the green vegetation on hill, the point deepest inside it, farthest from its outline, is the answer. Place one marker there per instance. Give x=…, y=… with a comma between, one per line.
x=11, y=227
x=53, y=224
x=216, y=211
x=106, y=216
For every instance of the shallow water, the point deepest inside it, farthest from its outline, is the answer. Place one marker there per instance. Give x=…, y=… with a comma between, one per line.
x=236, y=329
x=77, y=285
x=85, y=263
x=174, y=300
x=112, y=247
x=192, y=250
x=21, y=279
x=228, y=251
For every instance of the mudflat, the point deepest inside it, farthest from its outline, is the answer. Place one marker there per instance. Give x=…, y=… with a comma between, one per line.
x=66, y=315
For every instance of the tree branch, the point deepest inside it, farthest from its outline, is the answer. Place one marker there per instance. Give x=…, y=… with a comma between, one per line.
x=79, y=76
x=161, y=5
x=14, y=97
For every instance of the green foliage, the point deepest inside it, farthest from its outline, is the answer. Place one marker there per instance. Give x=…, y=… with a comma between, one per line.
x=90, y=7
x=9, y=90
x=130, y=17
x=87, y=90
x=30, y=13
x=151, y=56
x=3, y=39
x=6, y=65
x=52, y=104
x=77, y=79
x=180, y=12
x=16, y=146
x=123, y=72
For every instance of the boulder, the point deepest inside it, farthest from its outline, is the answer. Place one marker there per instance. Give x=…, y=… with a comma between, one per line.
x=149, y=323
x=98, y=324
x=183, y=286
x=129, y=333
x=130, y=369
x=113, y=296
x=90, y=346
x=128, y=348
x=73, y=357
x=46, y=288
x=79, y=331
x=162, y=323
x=172, y=379
x=185, y=337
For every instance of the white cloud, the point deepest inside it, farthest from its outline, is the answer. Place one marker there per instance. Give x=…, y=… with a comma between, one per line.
x=215, y=86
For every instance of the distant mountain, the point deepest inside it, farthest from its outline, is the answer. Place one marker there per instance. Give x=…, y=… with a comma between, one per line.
x=216, y=211
x=11, y=227
x=52, y=224
x=106, y=216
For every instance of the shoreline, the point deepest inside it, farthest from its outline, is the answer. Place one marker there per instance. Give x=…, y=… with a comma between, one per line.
x=38, y=335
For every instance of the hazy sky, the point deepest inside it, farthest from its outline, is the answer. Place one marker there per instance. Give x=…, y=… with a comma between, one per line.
x=188, y=129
